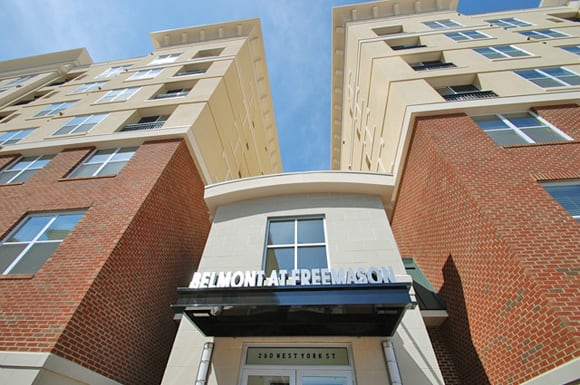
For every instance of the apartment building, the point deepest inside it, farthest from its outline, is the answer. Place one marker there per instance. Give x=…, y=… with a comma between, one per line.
x=102, y=175
x=476, y=119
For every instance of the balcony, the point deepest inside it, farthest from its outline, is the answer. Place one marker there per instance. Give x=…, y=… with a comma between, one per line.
x=147, y=123
x=407, y=46
x=464, y=92
x=431, y=65
x=470, y=96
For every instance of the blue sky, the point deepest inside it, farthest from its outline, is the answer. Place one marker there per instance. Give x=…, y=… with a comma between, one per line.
x=297, y=38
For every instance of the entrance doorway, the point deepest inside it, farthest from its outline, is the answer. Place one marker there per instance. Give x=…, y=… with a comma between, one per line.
x=296, y=377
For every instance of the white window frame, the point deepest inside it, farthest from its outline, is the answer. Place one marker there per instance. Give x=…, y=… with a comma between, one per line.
x=498, y=50
x=88, y=161
x=165, y=59
x=81, y=123
x=442, y=24
x=518, y=130
x=507, y=22
x=15, y=82
x=32, y=165
x=55, y=108
x=146, y=74
x=87, y=87
x=295, y=245
x=118, y=95
x=113, y=71
x=576, y=182
x=547, y=75
x=467, y=36
x=539, y=34
x=14, y=133
x=35, y=240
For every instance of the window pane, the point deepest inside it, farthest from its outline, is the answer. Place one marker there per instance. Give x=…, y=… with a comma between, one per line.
x=490, y=122
x=268, y=380
x=547, y=82
x=60, y=227
x=310, y=231
x=507, y=137
x=523, y=119
x=112, y=168
x=572, y=80
x=542, y=134
x=101, y=156
x=5, y=176
x=30, y=228
x=281, y=233
x=23, y=163
x=279, y=259
x=312, y=257
x=124, y=153
x=34, y=258
x=8, y=253
x=568, y=196
x=24, y=176
x=85, y=170
x=324, y=380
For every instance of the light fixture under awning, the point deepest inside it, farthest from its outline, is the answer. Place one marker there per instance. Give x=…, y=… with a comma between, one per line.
x=349, y=310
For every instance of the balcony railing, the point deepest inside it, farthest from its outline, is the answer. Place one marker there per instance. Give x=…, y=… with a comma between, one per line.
x=432, y=66
x=473, y=95
x=143, y=126
x=407, y=46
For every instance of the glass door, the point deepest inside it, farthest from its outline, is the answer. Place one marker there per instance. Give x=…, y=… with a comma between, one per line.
x=269, y=377
x=324, y=377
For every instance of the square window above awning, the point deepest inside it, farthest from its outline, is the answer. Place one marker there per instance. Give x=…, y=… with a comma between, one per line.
x=346, y=310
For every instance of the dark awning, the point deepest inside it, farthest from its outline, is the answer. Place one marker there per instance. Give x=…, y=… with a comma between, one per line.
x=350, y=310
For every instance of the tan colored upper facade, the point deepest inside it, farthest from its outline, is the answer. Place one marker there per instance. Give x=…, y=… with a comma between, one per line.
x=208, y=85
x=385, y=71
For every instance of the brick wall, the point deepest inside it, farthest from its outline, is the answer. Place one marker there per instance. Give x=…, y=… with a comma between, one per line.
x=501, y=251
x=103, y=298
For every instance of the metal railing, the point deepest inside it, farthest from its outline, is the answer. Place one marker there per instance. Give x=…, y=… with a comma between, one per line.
x=432, y=66
x=474, y=95
x=143, y=126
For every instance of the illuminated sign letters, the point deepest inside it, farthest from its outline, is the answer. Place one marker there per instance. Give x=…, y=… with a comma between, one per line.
x=303, y=277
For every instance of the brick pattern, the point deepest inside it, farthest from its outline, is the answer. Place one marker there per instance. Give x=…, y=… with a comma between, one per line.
x=103, y=299
x=501, y=251
x=444, y=357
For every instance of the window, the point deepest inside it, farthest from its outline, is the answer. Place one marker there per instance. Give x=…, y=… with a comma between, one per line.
x=543, y=34
x=551, y=77
x=104, y=162
x=34, y=240
x=165, y=59
x=567, y=194
x=80, y=124
x=464, y=92
x=510, y=22
x=88, y=87
x=575, y=49
x=118, y=95
x=146, y=74
x=147, y=123
x=519, y=128
x=431, y=65
x=15, y=136
x=466, y=35
x=439, y=24
x=501, y=52
x=21, y=170
x=295, y=244
x=113, y=71
x=15, y=82
x=55, y=108
x=173, y=93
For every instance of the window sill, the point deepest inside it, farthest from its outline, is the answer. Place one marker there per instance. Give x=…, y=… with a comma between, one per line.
x=9, y=277
x=11, y=184
x=64, y=136
x=86, y=178
x=558, y=143
x=500, y=59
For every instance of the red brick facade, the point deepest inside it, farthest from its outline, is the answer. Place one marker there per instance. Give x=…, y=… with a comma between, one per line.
x=103, y=298
x=500, y=250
